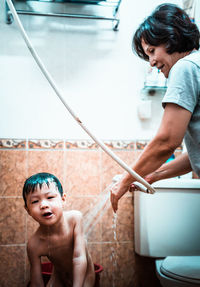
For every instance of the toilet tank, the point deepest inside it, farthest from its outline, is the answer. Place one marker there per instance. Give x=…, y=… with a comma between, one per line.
x=167, y=223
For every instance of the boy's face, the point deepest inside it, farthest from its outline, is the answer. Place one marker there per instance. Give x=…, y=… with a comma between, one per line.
x=45, y=205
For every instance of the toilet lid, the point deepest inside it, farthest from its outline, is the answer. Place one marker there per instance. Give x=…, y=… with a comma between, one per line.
x=184, y=268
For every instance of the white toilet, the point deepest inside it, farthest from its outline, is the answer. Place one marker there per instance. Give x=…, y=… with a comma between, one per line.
x=167, y=227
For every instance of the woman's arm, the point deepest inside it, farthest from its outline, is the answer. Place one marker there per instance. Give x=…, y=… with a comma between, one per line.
x=177, y=167
x=169, y=136
x=79, y=253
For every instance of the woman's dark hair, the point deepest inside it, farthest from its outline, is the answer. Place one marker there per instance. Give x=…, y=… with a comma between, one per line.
x=168, y=25
x=39, y=179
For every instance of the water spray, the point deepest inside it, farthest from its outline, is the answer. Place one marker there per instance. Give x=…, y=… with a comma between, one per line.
x=149, y=188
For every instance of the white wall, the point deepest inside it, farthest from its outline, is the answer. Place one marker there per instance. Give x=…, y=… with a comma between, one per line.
x=94, y=68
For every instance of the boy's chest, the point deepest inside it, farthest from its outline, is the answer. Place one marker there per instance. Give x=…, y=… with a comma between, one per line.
x=58, y=246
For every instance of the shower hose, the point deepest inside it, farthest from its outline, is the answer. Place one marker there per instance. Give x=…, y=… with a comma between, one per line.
x=141, y=184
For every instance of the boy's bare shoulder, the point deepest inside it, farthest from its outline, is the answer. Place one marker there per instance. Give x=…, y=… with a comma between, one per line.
x=34, y=242
x=73, y=215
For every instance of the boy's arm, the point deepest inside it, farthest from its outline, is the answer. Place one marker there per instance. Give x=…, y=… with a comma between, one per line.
x=79, y=253
x=35, y=265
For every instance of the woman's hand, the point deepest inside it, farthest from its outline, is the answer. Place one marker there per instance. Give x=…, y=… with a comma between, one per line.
x=152, y=177
x=117, y=190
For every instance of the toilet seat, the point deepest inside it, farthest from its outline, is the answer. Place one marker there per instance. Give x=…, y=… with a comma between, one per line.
x=182, y=268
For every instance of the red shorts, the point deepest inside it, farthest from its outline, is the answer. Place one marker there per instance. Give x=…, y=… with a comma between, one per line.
x=47, y=268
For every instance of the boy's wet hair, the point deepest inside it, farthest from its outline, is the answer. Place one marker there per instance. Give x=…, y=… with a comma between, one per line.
x=39, y=179
x=170, y=26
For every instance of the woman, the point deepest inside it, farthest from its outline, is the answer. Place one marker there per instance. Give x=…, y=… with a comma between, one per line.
x=170, y=42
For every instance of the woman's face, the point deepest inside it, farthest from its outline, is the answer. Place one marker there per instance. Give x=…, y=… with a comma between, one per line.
x=158, y=57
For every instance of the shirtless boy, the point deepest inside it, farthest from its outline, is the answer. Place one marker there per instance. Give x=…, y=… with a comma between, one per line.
x=59, y=236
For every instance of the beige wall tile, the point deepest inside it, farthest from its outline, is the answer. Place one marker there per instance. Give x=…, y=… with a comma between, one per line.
x=110, y=168
x=118, y=263
x=13, y=168
x=82, y=172
x=12, y=266
x=12, y=221
x=119, y=227
x=51, y=161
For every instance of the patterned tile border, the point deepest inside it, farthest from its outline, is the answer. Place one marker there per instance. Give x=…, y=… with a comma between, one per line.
x=80, y=144
x=112, y=144
x=45, y=144
x=140, y=145
x=73, y=144
x=12, y=144
x=121, y=144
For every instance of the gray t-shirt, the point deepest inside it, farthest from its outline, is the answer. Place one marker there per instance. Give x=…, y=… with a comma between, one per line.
x=184, y=90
